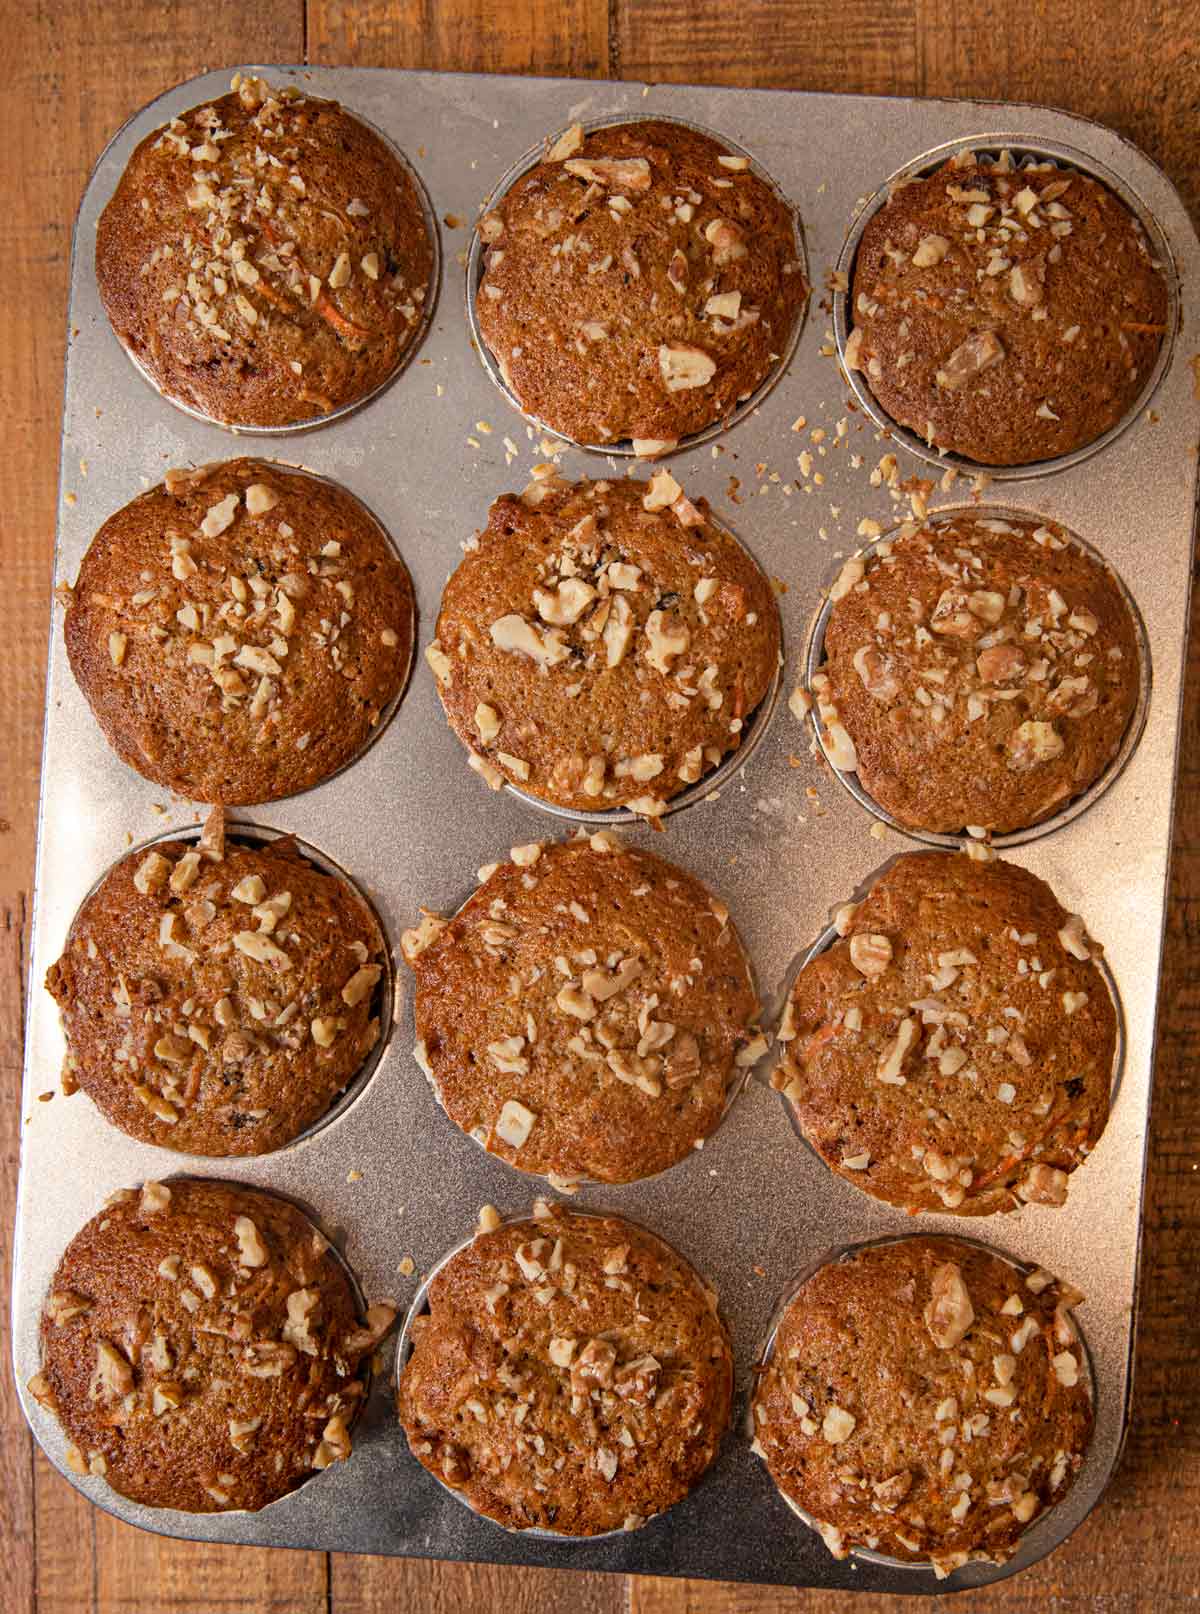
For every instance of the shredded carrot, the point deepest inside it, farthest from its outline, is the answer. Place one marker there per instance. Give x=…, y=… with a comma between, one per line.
x=819, y=1038
x=343, y=326
x=1150, y=330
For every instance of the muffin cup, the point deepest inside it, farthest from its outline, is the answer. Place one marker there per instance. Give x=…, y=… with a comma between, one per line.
x=1022, y=152
x=738, y=1080
x=814, y=661
x=709, y=784
x=420, y=1308
x=429, y=218
x=623, y=447
x=366, y=1371
x=844, y=1252
x=822, y=945
x=383, y=998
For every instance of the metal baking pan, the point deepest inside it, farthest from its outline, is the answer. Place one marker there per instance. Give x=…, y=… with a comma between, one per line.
x=779, y=838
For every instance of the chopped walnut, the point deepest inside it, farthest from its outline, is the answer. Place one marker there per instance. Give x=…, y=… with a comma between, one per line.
x=949, y=1313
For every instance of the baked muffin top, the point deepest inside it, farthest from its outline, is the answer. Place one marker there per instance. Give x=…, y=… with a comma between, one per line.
x=926, y=1399
x=639, y=282
x=953, y=1049
x=571, y=1374
x=602, y=644
x=201, y=1347
x=1007, y=315
x=239, y=630
x=216, y=999
x=265, y=257
x=979, y=670
x=585, y=1013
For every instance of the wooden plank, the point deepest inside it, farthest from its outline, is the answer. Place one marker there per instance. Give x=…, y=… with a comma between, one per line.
x=860, y=45
x=468, y=36
x=471, y=36
x=417, y=1586
x=79, y=71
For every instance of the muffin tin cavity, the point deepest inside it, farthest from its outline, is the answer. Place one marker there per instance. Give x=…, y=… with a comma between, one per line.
x=382, y=1001
x=709, y=786
x=489, y=1220
x=1023, y=152
x=1040, y=1527
x=625, y=448
x=826, y=940
x=423, y=316
x=814, y=662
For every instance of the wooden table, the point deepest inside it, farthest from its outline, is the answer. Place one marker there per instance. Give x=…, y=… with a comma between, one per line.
x=77, y=69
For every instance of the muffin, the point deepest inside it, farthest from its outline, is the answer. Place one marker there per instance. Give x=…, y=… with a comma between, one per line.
x=979, y=672
x=638, y=283
x=571, y=1374
x=217, y=1004
x=239, y=630
x=927, y=1399
x=1007, y=315
x=265, y=257
x=602, y=644
x=201, y=1347
x=586, y=1012
x=953, y=1050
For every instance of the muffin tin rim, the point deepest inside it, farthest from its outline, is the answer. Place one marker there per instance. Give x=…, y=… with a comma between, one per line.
x=1019, y=148
x=1075, y=806
x=622, y=447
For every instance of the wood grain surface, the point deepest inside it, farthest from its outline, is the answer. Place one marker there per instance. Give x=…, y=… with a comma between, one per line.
x=79, y=68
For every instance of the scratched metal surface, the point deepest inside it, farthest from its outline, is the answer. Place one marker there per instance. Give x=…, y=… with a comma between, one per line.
x=411, y=823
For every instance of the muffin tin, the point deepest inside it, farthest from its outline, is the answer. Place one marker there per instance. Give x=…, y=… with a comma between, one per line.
x=782, y=842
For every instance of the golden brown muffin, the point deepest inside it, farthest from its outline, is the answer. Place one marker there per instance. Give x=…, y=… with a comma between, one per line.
x=218, y=1004
x=1005, y=315
x=265, y=257
x=978, y=671
x=586, y=1012
x=239, y=630
x=926, y=1399
x=201, y=1347
x=953, y=1050
x=603, y=644
x=571, y=1374
x=639, y=282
